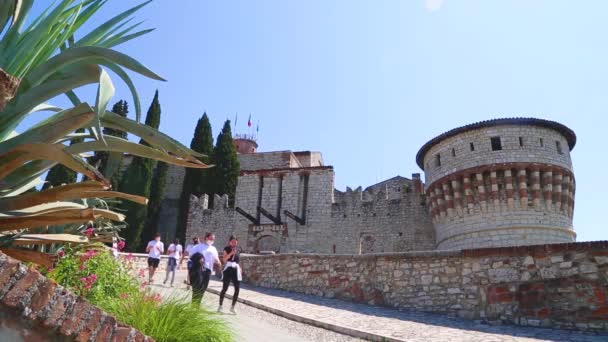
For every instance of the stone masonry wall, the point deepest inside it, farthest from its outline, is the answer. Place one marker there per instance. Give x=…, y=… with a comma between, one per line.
x=376, y=222
x=351, y=222
x=268, y=160
x=38, y=300
x=558, y=285
x=464, y=158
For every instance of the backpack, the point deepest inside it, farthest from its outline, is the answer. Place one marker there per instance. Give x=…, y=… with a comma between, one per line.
x=196, y=270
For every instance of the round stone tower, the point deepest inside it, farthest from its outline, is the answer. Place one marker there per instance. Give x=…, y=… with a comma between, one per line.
x=503, y=182
x=245, y=143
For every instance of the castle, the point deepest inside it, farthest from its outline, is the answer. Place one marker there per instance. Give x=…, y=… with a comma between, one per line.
x=502, y=182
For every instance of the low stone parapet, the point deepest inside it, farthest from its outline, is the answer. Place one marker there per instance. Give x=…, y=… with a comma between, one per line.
x=557, y=285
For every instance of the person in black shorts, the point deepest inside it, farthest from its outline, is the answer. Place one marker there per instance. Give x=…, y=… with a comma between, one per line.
x=231, y=273
x=155, y=249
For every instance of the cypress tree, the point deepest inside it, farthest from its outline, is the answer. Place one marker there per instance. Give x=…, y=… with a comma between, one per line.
x=60, y=174
x=137, y=180
x=156, y=195
x=196, y=181
x=227, y=166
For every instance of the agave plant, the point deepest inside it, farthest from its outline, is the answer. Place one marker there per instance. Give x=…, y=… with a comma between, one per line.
x=45, y=57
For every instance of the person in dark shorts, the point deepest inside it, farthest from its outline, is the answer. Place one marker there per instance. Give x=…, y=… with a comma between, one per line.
x=154, y=249
x=232, y=272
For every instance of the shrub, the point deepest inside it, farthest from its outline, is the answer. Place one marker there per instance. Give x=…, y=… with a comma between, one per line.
x=94, y=274
x=169, y=320
x=107, y=282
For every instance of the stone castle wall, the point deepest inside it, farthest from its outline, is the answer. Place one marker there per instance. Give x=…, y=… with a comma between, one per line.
x=381, y=221
x=558, y=285
x=169, y=209
x=388, y=218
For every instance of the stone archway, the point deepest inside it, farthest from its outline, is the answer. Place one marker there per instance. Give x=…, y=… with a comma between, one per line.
x=267, y=243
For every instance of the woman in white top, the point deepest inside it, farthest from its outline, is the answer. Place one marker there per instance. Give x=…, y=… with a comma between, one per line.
x=174, y=252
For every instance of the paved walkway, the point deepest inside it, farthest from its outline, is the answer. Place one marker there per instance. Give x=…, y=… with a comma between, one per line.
x=254, y=325
x=379, y=323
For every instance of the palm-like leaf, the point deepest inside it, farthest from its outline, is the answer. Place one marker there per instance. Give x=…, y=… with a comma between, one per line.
x=39, y=60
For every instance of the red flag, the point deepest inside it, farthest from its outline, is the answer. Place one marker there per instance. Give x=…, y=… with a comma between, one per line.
x=249, y=121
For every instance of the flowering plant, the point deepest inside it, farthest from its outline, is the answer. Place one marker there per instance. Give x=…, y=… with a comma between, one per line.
x=94, y=273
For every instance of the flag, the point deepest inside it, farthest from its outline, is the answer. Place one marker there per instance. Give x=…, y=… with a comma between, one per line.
x=257, y=127
x=249, y=121
x=236, y=116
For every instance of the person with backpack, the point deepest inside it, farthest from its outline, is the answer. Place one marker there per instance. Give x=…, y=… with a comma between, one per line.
x=188, y=253
x=174, y=252
x=204, y=259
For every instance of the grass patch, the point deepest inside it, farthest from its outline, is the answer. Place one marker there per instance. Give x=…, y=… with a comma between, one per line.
x=172, y=319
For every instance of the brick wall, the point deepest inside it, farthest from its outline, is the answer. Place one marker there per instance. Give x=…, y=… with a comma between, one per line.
x=559, y=285
x=39, y=300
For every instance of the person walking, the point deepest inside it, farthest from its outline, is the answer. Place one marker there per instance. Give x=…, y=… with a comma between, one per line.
x=174, y=252
x=204, y=259
x=232, y=272
x=195, y=241
x=154, y=249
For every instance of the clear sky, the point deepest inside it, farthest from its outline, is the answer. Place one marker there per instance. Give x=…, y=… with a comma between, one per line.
x=367, y=83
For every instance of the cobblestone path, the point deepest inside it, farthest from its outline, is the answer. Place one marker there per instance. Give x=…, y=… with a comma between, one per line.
x=392, y=324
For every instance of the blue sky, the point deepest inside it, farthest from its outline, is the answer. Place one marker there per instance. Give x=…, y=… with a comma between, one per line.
x=369, y=82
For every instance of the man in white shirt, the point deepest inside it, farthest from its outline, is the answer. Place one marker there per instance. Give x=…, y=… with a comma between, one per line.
x=155, y=249
x=200, y=277
x=174, y=252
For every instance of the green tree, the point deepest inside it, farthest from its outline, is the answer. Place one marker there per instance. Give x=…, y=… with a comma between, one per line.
x=227, y=166
x=137, y=180
x=60, y=174
x=200, y=181
x=156, y=195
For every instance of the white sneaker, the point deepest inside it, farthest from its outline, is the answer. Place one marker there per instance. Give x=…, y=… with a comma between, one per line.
x=232, y=310
x=219, y=308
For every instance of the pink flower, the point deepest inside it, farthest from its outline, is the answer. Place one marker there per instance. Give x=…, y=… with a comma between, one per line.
x=124, y=296
x=61, y=253
x=143, y=285
x=121, y=245
x=142, y=272
x=130, y=257
x=82, y=267
x=88, y=255
x=157, y=298
x=89, y=232
x=89, y=281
